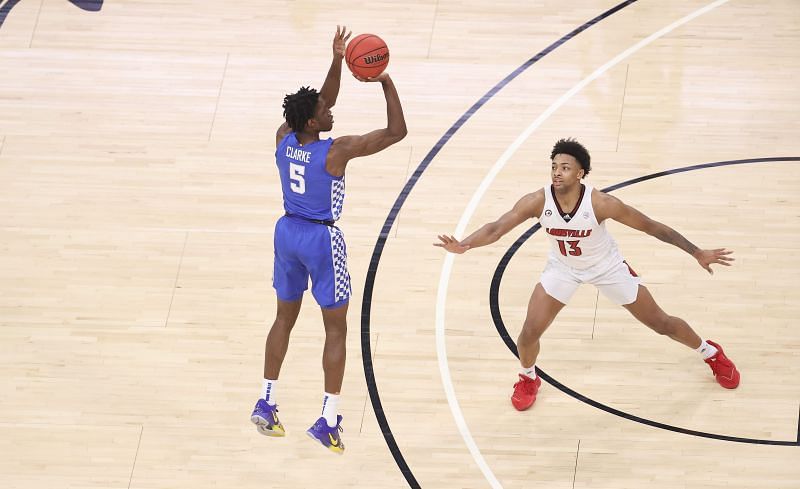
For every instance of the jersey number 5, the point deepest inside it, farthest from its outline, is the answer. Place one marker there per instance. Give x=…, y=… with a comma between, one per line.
x=574, y=250
x=298, y=181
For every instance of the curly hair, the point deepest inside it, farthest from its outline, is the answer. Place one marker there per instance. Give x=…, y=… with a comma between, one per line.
x=569, y=146
x=299, y=107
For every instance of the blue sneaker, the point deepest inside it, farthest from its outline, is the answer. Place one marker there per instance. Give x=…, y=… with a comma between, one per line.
x=327, y=436
x=265, y=417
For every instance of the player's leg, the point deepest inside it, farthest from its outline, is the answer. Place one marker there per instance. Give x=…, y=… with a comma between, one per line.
x=645, y=309
x=331, y=289
x=623, y=287
x=278, y=337
x=290, y=280
x=334, y=353
x=548, y=298
x=326, y=429
x=542, y=310
x=265, y=414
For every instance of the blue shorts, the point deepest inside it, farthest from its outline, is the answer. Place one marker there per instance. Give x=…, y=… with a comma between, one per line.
x=305, y=249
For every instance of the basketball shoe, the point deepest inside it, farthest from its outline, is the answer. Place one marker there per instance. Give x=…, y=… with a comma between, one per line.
x=265, y=417
x=525, y=392
x=724, y=370
x=327, y=436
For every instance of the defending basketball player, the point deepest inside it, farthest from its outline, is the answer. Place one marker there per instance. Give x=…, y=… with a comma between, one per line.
x=573, y=216
x=308, y=244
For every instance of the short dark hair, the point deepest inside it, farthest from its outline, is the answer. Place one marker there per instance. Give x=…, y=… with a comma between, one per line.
x=299, y=107
x=569, y=146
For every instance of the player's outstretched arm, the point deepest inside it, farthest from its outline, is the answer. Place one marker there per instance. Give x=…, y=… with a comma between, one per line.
x=527, y=207
x=346, y=148
x=611, y=207
x=330, y=88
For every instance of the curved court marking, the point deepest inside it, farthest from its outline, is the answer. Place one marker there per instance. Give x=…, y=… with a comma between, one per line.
x=444, y=280
x=494, y=306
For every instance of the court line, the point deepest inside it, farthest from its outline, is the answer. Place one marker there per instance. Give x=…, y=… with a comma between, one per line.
x=36, y=25
x=219, y=95
x=372, y=270
x=136, y=456
x=444, y=280
x=494, y=306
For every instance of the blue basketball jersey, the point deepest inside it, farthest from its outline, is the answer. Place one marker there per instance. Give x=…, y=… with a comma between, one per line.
x=308, y=189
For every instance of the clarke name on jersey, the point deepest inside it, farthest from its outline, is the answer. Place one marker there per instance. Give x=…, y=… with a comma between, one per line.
x=298, y=154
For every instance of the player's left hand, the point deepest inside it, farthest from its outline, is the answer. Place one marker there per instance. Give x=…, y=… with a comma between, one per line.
x=340, y=41
x=718, y=256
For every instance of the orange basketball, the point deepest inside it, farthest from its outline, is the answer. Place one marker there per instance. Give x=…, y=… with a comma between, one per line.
x=367, y=55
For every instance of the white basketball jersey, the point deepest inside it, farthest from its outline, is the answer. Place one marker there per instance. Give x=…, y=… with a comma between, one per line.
x=577, y=239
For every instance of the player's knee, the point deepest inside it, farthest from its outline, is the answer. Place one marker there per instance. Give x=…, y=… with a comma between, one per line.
x=335, y=326
x=336, y=331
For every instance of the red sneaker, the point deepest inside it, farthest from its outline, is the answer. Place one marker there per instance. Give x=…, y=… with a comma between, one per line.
x=525, y=392
x=724, y=370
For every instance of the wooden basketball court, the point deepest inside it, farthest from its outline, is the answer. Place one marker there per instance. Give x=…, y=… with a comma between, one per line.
x=139, y=193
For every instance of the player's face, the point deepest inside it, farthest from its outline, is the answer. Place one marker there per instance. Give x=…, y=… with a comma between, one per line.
x=565, y=171
x=323, y=115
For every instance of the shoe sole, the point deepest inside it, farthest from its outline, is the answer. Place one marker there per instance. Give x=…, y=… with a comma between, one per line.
x=524, y=408
x=334, y=450
x=263, y=427
x=732, y=384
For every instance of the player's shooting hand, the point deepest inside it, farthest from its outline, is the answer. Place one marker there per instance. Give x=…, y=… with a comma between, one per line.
x=380, y=78
x=451, y=244
x=340, y=41
x=718, y=256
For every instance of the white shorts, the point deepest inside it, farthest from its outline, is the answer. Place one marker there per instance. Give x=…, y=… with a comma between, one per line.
x=619, y=284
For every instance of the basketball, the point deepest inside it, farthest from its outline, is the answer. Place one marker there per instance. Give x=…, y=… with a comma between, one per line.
x=367, y=55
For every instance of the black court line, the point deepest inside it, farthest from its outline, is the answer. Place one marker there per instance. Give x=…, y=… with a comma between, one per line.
x=5, y=8
x=372, y=270
x=88, y=5
x=494, y=306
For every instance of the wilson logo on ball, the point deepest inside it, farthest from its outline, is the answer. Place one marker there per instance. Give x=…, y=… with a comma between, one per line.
x=375, y=58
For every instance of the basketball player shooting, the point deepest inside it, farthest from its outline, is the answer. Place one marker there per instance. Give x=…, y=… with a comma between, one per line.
x=308, y=244
x=582, y=251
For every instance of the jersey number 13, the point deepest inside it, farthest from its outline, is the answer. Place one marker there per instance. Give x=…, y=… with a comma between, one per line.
x=573, y=250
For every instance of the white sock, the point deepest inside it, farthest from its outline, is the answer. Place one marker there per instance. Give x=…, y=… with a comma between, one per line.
x=706, y=350
x=330, y=403
x=268, y=391
x=530, y=372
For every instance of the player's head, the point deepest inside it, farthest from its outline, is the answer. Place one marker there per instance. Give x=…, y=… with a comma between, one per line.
x=570, y=151
x=307, y=110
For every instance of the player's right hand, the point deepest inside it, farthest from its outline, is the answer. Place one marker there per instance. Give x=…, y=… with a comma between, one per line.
x=451, y=244
x=383, y=76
